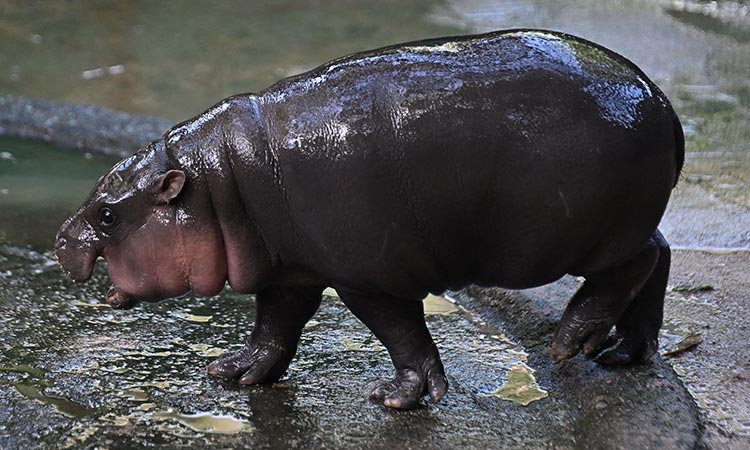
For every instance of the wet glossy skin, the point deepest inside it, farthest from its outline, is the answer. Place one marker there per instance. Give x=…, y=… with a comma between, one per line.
x=507, y=159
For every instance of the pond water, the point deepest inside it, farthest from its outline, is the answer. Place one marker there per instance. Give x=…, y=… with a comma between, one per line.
x=40, y=186
x=175, y=61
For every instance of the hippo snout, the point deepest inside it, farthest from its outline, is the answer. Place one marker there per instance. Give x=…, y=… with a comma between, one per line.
x=75, y=251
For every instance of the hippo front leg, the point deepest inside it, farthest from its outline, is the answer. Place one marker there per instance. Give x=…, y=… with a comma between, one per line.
x=399, y=324
x=281, y=315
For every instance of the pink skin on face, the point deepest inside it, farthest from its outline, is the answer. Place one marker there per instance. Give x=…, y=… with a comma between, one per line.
x=166, y=258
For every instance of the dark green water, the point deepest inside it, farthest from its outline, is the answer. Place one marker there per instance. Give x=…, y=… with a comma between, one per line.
x=40, y=186
x=175, y=59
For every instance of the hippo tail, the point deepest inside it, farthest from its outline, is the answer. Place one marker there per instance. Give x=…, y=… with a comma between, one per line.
x=679, y=155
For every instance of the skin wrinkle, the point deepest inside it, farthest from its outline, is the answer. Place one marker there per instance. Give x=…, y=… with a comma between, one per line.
x=403, y=180
x=279, y=178
x=155, y=270
x=264, y=136
x=565, y=203
x=246, y=214
x=186, y=268
x=242, y=204
x=202, y=165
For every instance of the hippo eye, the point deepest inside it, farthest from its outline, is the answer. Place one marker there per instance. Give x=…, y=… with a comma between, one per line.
x=107, y=218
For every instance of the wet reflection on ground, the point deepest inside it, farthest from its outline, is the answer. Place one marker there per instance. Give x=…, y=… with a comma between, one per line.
x=92, y=374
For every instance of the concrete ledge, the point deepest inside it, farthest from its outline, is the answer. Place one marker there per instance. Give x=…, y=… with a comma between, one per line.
x=642, y=406
x=84, y=127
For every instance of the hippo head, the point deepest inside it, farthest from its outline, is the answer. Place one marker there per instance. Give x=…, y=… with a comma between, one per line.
x=153, y=230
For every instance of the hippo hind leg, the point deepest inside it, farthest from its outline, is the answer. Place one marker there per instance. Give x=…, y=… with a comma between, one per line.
x=630, y=297
x=281, y=315
x=637, y=331
x=400, y=326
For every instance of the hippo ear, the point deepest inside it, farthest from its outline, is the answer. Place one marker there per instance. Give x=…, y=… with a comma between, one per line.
x=169, y=186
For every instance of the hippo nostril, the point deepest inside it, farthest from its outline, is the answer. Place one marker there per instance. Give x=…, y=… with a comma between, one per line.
x=61, y=243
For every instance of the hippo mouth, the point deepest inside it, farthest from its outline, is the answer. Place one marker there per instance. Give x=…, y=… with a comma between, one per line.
x=78, y=265
x=120, y=300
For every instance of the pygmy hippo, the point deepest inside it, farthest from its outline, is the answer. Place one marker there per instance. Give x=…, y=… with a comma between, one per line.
x=504, y=159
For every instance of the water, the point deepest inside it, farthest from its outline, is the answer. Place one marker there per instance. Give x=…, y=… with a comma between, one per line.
x=174, y=60
x=40, y=186
x=105, y=54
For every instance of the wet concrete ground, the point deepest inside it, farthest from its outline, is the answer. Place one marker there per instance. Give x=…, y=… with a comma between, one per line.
x=76, y=374
x=716, y=371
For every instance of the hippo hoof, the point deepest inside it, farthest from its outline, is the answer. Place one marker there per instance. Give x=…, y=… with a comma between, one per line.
x=628, y=350
x=591, y=337
x=408, y=386
x=253, y=364
x=610, y=350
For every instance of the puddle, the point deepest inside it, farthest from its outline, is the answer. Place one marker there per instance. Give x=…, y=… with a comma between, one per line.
x=117, y=370
x=91, y=305
x=61, y=404
x=675, y=338
x=690, y=288
x=681, y=344
x=134, y=394
x=207, y=422
x=434, y=304
x=194, y=317
x=521, y=386
x=206, y=350
x=24, y=368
